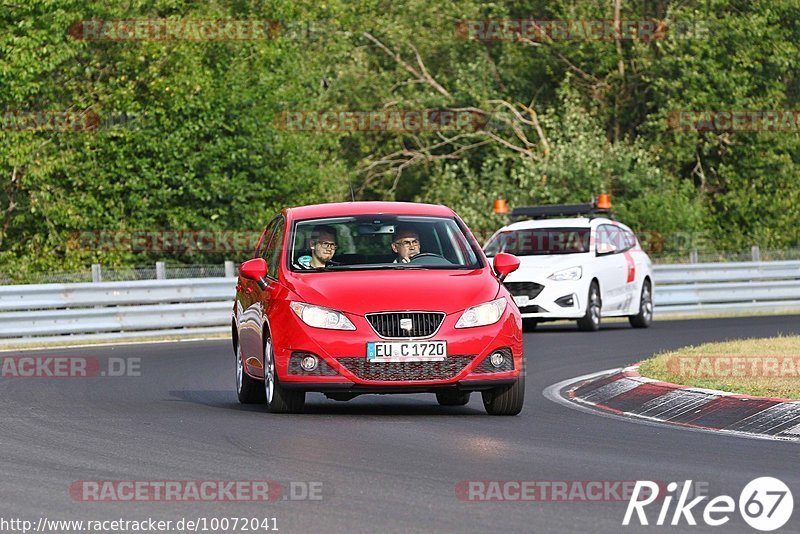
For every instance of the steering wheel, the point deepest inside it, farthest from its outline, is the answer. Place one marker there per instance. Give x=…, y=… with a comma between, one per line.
x=430, y=258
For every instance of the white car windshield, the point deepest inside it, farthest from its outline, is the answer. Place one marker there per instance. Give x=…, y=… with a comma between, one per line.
x=540, y=241
x=382, y=242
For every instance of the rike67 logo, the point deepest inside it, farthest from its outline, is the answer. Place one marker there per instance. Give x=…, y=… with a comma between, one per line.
x=765, y=504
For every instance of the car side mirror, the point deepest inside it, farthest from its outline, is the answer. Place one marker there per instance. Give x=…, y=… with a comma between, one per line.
x=255, y=269
x=505, y=264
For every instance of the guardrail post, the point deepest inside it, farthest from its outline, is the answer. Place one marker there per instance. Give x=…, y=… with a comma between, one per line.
x=229, y=271
x=693, y=256
x=161, y=271
x=97, y=275
x=755, y=252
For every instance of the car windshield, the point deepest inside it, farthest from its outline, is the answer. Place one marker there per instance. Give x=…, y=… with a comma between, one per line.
x=380, y=242
x=540, y=241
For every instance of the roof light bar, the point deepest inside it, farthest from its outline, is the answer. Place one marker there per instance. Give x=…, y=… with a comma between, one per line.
x=598, y=207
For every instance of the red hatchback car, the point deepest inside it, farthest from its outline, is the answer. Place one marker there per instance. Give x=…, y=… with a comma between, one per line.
x=375, y=297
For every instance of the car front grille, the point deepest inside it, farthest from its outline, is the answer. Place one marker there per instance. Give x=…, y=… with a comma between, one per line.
x=524, y=289
x=423, y=324
x=532, y=309
x=399, y=371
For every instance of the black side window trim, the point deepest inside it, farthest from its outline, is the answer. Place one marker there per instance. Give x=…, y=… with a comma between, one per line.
x=279, y=224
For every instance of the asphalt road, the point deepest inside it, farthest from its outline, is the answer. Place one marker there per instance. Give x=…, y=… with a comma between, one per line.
x=386, y=463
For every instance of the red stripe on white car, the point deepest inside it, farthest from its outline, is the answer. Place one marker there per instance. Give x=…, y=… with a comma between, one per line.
x=631, y=266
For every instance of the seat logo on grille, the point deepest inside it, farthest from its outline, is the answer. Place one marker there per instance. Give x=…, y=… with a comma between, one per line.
x=406, y=324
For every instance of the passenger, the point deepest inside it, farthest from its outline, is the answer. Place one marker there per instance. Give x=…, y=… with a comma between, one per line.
x=406, y=245
x=323, y=247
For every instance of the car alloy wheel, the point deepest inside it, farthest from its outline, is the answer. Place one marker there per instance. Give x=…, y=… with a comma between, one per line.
x=249, y=390
x=647, y=302
x=269, y=371
x=278, y=398
x=645, y=315
x=594, y=307
x=590, y=322
x=239, y=370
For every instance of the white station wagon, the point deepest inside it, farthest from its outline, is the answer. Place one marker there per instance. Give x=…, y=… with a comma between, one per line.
x=581, y=268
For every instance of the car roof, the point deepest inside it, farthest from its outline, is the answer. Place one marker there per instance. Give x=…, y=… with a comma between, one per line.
x=344, y=209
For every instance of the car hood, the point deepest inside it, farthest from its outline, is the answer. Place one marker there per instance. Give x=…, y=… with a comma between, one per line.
x=362, y=292
x=547, y=265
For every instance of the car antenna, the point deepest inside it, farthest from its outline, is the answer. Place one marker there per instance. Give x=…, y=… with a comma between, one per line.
x=352, y=195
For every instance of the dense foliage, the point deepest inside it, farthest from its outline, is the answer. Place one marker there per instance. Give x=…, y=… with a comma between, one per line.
x=191, y=132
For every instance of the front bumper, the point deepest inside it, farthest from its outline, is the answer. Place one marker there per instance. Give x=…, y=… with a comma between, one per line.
x=548, y=299
x=343, y=365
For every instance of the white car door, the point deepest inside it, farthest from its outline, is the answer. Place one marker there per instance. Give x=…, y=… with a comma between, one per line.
x=637, y=266
x=611, y=267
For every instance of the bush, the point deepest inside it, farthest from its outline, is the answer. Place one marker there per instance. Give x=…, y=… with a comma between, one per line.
x=581, y=164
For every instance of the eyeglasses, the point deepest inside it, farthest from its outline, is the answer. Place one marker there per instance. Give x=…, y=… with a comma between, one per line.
x=327, y=244
x=408, y=242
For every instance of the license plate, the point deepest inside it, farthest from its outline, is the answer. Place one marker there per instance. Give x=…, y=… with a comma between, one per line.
x=406, y=351
x=522, y=300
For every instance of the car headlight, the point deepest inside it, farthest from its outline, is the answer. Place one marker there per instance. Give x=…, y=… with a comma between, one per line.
x=320, y=317
x=482, y=314
x=573, y=273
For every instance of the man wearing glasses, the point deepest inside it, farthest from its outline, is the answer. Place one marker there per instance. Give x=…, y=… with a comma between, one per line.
x=323, y=247
x=406, y=245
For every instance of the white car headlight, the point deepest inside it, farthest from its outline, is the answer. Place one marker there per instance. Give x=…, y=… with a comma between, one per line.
x=482, y=314
x=320, y=317
x=573, y=273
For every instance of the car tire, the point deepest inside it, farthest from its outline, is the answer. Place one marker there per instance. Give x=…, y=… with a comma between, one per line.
x=505, y=400
x=249, y=390
x=590, y=322
x=278, y=398
x=529, y=325
x=453, y=398
x=644, y=318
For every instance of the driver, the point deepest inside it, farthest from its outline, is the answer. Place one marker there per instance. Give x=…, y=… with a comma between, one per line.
x=323, y=247
x=406, y=244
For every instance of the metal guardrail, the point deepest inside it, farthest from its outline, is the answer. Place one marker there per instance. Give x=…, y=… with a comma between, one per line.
x=49, y=296
x=727, y=287
x=46, y=313
x=35, y=314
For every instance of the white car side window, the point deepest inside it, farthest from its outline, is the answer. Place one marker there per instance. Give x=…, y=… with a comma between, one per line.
x=607, y=240
x=630, y=239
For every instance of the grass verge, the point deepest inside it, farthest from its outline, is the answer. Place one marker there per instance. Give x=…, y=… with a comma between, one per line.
x=765, y=367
